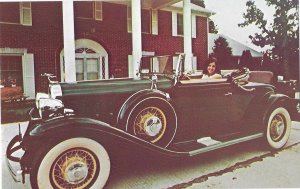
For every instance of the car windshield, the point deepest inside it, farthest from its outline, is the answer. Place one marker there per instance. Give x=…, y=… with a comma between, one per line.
x=166, y=65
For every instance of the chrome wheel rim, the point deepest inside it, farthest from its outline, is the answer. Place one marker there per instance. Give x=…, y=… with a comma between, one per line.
x=150, y=124
x=75, y=168
x=277, y=127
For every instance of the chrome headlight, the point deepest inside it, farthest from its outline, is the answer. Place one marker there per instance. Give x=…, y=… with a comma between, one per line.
x=55, y=90
x=48, y=107
x=38, y=97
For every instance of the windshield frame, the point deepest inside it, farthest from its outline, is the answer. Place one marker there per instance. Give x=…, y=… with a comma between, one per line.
x=175, y=74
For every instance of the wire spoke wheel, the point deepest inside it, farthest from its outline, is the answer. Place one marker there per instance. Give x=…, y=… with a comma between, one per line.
x=152, y=119
x=150, y=124
x=74, y=168
x=75, y=162
x=277, y=127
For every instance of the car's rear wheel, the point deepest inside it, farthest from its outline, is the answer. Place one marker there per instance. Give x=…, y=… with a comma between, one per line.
x=154, y=120
x=73, y=163
x=278, y=128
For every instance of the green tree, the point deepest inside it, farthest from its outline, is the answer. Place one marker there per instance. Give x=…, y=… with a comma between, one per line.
x=199, y=3
x=212, y=28
x=223, y=53
x=282, y=35
x=246, y=60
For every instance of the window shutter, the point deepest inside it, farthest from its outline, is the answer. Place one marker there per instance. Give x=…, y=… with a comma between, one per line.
x=174, y=24
x=194, y=63
x=155, y=65
x=130, y=67
x=28, y=75
x=129, y=19
x=98, y=11
x=25, y=14
x=194, y=26
x=175, y=60
x=154, y=22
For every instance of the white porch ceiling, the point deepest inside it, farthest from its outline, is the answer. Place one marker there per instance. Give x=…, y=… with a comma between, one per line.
x=147, y=4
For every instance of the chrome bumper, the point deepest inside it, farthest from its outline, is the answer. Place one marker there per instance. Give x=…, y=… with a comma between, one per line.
x=18, y=175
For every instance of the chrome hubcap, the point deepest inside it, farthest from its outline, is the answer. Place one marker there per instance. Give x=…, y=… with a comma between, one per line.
x=74, y=168
x=277, y=127
x=76, y=172
x=152, y=126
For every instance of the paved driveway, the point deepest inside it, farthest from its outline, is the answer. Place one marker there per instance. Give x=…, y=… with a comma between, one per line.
x=148, y=173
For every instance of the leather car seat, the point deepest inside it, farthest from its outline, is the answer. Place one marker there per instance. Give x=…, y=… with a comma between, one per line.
x=261, y=77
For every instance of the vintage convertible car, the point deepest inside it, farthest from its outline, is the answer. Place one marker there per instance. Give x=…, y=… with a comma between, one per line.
x=74, y=127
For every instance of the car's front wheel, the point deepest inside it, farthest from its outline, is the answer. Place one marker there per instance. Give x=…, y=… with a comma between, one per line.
x=278, y=128
x=73, y=163
x=153, y=119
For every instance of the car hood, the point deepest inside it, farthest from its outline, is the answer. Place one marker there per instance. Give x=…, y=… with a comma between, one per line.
x=111, y=86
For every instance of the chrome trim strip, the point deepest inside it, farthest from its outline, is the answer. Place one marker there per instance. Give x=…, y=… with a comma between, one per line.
x=225, y=144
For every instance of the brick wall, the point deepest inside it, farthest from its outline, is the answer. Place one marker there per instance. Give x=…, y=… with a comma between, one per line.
x=45, y=37
x=200, y=48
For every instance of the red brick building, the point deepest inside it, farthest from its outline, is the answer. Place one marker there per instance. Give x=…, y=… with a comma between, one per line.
x=103, y=40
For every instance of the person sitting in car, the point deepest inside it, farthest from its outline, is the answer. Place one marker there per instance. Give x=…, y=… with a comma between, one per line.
x=211, y=70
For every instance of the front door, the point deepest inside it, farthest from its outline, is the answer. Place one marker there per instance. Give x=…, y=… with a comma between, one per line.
x=90, y=65
x=203, y=108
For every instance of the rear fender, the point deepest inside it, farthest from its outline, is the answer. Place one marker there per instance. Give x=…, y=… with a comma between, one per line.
x=134, y=99
x=280, y=100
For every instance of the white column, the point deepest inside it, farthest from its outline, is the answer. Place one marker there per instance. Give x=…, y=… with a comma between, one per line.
x=187, y=34
x=136, y=35
x=69, y=41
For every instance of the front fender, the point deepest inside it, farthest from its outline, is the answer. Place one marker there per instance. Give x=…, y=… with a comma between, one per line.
x=91, y=128
x=67, y=123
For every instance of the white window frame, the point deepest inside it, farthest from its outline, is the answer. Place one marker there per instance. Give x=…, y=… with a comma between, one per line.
x=85, y=58
x=98, y=10
x=25, y=14
x=175, y=26
x=27, y=68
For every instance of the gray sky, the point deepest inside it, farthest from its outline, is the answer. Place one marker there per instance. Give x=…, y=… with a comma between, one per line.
x=229, y=13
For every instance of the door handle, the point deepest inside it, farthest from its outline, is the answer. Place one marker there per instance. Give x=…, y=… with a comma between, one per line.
x=228, y=94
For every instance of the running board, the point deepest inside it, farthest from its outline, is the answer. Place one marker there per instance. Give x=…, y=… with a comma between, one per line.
x=224, y=144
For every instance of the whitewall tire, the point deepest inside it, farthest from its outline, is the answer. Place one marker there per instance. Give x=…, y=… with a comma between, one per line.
x=278, y=128
x=73, y=163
